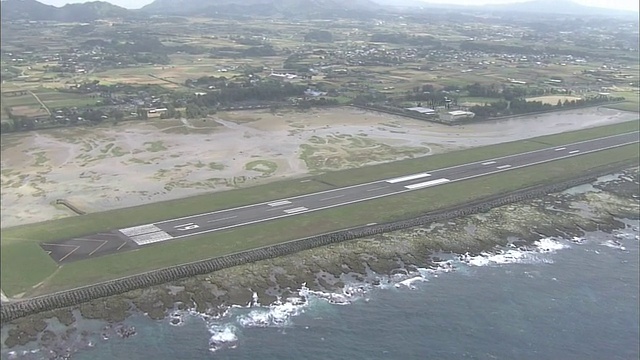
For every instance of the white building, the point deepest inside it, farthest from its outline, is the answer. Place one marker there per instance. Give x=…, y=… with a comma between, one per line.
x=457, y=115
x=422, y=110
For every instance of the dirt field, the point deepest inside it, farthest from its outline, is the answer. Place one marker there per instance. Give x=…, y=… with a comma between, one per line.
x=133, y=163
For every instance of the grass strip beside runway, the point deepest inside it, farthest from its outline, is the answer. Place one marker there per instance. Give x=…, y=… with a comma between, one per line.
x=25, y=264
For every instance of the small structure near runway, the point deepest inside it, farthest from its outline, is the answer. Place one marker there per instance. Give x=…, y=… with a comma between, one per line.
x=457, y=115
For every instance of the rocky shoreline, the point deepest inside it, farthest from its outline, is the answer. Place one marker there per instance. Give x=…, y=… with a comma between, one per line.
x=598, y=206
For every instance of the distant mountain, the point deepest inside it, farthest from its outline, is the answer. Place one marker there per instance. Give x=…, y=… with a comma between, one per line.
x=256, y=7
x=34, y=10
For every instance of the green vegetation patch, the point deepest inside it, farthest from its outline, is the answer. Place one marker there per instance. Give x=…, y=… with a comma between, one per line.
x=216, y=166
x=155, y=146
x=265, y=167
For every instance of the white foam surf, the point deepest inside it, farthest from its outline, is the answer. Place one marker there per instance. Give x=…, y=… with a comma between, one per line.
x=531, y=255
x=222, y=337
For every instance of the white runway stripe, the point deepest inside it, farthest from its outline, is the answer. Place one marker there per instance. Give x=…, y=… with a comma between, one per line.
x=295, y=210
x=503, y=167
x=427, y=184
x=278, y=203
x=407, y=178
x=488, y=163
x=560, y=149
x=574, y=152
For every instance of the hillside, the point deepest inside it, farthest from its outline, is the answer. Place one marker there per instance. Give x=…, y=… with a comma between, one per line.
x=34, y=10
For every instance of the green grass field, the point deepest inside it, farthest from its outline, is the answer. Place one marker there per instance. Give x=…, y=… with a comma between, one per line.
x=24, y=264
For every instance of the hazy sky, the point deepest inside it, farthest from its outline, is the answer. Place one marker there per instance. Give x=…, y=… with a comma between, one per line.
x=615, y=4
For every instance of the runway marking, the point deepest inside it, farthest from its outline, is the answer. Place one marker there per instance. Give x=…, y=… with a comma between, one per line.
x=140, y=230
x=332, y=197
x=121, y=246
x=488, y=163
x=278, y=203
x=295, y=210
x=380, y=181
x=146, y=239
x=177, y=226
x=560, y=149
x=225, y=218
x=503, y=167
x=407, y=178
x=427, y=184
x=378, y=188
x=371, y=224
x=104, y=242
x=305, y=181
x=574, y=152
x=75, y=247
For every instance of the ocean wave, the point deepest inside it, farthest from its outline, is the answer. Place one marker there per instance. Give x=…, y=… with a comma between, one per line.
x=222, y=337
x=517, y=256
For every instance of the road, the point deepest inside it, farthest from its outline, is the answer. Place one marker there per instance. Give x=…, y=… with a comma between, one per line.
x=143, y=235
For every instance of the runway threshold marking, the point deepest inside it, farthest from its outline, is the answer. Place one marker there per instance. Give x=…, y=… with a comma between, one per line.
x=407, y=178
x=427, y=184
x=503, y=167
x=295, y=210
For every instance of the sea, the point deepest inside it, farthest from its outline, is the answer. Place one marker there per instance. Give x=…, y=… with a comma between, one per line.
x=560, y=299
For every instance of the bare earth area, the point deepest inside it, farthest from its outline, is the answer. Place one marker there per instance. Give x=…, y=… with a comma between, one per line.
x=132, y=163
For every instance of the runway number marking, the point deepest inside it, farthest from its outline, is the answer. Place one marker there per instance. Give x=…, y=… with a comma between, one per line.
x=186, y=227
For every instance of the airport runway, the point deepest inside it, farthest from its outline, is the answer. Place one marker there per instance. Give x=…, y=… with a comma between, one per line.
x=135, y=237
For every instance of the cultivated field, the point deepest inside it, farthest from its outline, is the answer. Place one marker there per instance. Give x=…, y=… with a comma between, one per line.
x=135, y=163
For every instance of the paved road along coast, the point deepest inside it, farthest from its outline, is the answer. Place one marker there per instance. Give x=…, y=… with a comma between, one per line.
x=147, y=234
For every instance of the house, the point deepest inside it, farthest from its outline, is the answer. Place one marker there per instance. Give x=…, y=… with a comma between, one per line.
x=155, y=113
x=457, y=115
